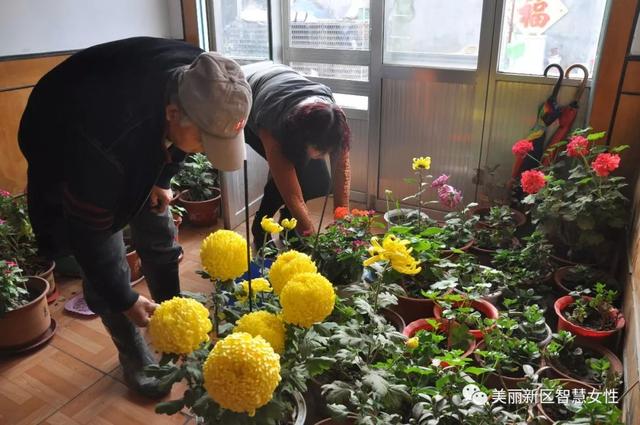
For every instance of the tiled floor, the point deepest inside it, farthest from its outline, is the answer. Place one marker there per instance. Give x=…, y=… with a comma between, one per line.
x=76, y=378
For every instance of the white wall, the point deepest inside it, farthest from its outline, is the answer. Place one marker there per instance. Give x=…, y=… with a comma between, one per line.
x=40, y=26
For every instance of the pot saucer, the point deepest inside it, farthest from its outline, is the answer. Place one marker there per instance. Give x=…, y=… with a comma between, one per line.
x=42, y=339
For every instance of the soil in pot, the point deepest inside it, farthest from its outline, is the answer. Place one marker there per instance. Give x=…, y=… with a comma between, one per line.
x=486, y=309
x=557, y=412
x=26, y=325
x=411, y=309
x=201, y=213
x=407, y=217
x=572, y=278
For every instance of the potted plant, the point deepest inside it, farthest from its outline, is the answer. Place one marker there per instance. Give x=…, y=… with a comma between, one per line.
x=200, y=196
x=177, y=213
x=487, y=215
x=260, y=359
x=580, y=277
x=18, y=242
x=508, y=356
x=577, y=202
x=24, y=314
x=341, y=248
x=529, y=266
x=497, y=232
x=593, y=318
x=583, y=361
x=466, y=277
x=458, y=230
x=430, y=338
x=532, y=325
x=477, y=314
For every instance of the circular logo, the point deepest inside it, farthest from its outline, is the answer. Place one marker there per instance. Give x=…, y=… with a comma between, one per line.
x=471, y=392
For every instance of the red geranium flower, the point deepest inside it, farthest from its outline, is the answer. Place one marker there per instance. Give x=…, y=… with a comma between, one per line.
x=522, y=147
x=532, y=181
x=605, y=163
x=340, y=212
x=4, y=193
x=578, y=146
x=360, y=213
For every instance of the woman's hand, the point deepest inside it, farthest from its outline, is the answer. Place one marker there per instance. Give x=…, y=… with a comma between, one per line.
x=159, y=199
x=141, y=311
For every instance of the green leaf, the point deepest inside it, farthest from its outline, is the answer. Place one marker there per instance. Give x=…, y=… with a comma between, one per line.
x=410, y=180
x=477, y=370
x=596, y=136
x=338, y=411
x=317, y=365
x=377, y=383
x=620, y=148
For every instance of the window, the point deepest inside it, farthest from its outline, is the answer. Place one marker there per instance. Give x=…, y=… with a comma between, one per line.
x=332, y=70
x=537, y=33
x=338, y=24
x=352, y=101
x=244, y=32
x=432, y=33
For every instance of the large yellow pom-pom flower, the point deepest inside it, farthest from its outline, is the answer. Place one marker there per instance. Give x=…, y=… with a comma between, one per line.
x=241, y=373
x=179, y=326
x=258, y=285
x=224, y=255
x=393, y=250
x=269, y=225
x=264, y=324
x=287, y=265
x=421, y=163
x=308, y=298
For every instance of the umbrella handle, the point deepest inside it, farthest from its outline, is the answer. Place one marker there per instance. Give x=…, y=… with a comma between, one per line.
x=556, y=88
x=585, y=78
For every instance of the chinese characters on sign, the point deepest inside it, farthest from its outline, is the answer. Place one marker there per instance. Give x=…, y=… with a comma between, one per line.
x=534, y=17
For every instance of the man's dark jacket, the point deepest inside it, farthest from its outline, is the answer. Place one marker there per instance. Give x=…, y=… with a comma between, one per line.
x=93, y=135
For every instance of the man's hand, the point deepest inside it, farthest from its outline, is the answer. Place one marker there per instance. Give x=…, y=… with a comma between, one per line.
x=160, y=199
x=141, y=311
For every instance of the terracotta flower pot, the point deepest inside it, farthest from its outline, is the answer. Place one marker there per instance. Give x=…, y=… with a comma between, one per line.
x=493, y=380
x=567, y=384
x=394, y=319
x=52, y=293
x=177, y=221
x=133, y=259
x=422, y=324
x=518, y=216
x=559, y=371
x=391, y=217
x=598, y=336
x=411, y=309
x=559, y=278
x=484, y=307
x=201, y=213
x=27, y=325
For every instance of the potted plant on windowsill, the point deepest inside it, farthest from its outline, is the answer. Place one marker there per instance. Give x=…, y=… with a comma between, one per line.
x=528, y=266
x=430, y=338
x=24, y=314
x=587, y=362
x=593, y=318
x=458, y=230
x=577, y=202
x=580, y=277
x=486, y=215
x=200, y=196
x=477, y=314
x=532, y=325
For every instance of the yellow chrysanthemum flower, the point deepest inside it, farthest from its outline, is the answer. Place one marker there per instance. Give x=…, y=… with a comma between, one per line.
x=258, y=285
x=421, y=163
x=179, y=326
x=289, y=224
x=394, y=251
x=412, y=343
x=224, y=255
x=308, y=298
x=287, y=265
x=241, y=373
x=264, y=324
x=269, y=225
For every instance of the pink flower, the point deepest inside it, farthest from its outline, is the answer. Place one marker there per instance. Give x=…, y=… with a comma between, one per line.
x=605, y=163
x=4, y=193
x=358, y=243
x=578, y=146
x=2, y=222
x=440, y=181
x=532, y=181
x=522, y=147
x=449, y=197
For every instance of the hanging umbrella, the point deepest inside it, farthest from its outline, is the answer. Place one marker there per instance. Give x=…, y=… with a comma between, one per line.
x=567, y=117
x=548, y=112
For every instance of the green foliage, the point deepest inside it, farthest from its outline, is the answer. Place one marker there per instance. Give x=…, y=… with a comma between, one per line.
x=595, y=312
x=579, y=209
x=497, y=229
x=459, y=227
x=531, y=324
x=465, y=275
x=17, y=240
x=198, y=176
x=13, y=292
x=527, y=265
x=581, y=278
